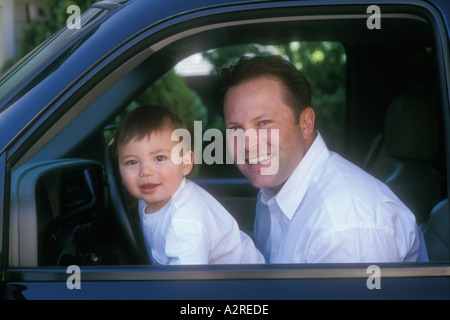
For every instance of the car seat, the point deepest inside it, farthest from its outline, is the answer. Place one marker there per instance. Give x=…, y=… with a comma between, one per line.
x=407, y=151
x=436, y=232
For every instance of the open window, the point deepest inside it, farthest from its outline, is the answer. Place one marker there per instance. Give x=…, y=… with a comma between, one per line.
x=356, y=74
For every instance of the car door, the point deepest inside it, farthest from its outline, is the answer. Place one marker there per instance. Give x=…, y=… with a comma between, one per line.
x=93, y=79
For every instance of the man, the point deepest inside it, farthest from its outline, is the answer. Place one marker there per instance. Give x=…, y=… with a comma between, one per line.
x=318, y=207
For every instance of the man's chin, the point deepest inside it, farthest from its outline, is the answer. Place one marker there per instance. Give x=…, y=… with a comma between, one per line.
x=262, y=181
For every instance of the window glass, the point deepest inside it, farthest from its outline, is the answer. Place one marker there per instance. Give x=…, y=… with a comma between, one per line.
x=44, y=53
x=188, y=89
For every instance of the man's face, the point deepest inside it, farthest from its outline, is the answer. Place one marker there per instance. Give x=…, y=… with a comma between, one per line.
x=260, y=104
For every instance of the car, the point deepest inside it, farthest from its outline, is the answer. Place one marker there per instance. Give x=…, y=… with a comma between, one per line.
x=69, y=229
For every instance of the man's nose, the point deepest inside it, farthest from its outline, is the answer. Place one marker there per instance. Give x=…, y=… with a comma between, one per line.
x=251, y=140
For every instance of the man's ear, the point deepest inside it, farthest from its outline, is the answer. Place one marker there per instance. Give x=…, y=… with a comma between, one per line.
x=307, y=123
x=188, y=162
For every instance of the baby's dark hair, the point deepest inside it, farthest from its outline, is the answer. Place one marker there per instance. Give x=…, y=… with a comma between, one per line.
x=142, y=122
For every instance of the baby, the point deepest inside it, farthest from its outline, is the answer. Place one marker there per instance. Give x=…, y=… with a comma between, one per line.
x=181, y=222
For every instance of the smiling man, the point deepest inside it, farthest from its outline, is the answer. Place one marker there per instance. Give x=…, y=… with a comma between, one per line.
x=317, y=207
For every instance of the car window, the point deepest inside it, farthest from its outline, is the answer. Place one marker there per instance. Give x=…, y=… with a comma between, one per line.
x=355, y=77
x=44, y=56
x=188, y=90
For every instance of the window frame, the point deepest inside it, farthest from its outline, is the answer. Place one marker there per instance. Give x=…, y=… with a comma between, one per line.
x=122, y=61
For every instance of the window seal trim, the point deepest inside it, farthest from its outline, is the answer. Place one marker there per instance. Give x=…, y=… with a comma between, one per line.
x=229, y=272
x=181, y=35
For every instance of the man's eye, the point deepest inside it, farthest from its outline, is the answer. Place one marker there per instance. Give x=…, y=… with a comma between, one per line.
x=264, y=122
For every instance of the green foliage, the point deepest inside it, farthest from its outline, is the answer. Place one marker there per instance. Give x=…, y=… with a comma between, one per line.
x=323, y=63
x=171, y=92
x=37, y=31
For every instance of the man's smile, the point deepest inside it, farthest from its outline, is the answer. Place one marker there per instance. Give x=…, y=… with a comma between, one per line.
x=265, y=159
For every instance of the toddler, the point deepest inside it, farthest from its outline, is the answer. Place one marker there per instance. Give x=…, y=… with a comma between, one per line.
x=181, y=222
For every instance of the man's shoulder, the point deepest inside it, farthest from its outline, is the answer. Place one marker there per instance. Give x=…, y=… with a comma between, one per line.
x=339, y=176
x=340, y=183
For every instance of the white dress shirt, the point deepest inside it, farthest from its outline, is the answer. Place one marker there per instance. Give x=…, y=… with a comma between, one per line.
x=194, y=228
x=331, y=211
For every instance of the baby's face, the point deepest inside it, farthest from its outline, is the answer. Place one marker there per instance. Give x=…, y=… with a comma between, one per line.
x=148, y=171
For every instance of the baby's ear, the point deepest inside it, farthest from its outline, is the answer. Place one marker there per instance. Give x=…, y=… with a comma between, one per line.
x=188, y=162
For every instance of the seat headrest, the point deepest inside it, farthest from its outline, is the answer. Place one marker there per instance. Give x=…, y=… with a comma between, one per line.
x=411, y=127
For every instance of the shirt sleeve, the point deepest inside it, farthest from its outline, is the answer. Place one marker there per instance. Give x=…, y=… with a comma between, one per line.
x=357, y=244
x=392, y=236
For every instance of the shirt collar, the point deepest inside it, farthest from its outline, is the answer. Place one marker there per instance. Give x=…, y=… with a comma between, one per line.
x=180, y=188
x=291, y=194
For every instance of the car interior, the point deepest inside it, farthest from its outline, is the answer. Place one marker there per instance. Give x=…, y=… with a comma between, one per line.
x=68, y=204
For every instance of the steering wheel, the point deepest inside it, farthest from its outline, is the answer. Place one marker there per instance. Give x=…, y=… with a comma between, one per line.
x=128, y=220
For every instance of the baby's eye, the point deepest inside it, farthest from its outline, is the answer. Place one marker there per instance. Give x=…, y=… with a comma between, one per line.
x=160, y=158
x=236, y=128
x=130, y=162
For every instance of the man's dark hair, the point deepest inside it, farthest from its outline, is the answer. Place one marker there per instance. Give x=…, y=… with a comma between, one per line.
x=298, y=89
